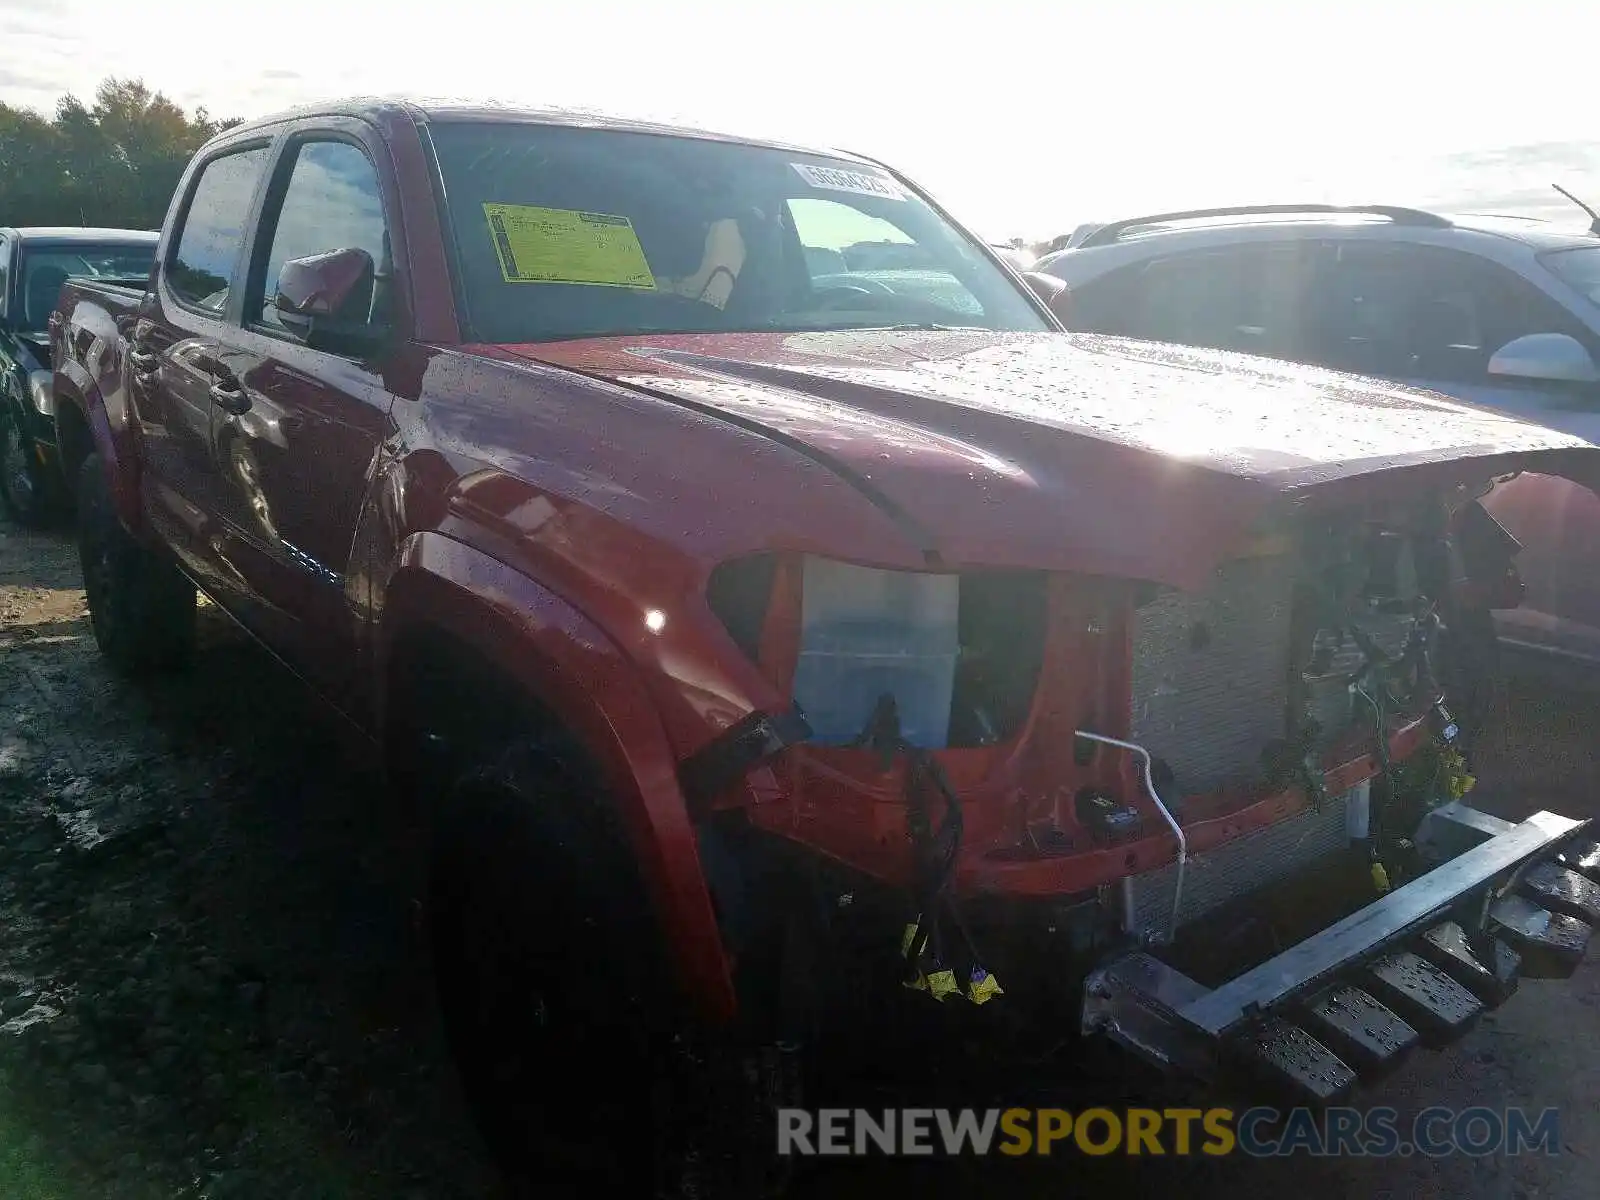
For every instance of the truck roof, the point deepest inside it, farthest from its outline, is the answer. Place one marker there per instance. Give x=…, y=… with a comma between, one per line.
x=79, y=234
x=426, y=109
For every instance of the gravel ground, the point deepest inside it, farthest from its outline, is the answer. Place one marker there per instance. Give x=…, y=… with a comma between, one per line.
x=211, y=973
x=211, y=981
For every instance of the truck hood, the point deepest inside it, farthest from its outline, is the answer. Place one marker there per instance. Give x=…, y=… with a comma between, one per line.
x=1074, y=452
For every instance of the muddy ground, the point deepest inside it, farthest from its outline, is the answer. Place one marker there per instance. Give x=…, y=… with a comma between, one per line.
x=211, y=981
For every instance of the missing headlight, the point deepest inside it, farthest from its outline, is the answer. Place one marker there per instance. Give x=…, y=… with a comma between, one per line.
x=961, y=654
x=866, y=633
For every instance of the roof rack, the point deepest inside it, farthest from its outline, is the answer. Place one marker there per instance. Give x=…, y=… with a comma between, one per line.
x=1111, y=232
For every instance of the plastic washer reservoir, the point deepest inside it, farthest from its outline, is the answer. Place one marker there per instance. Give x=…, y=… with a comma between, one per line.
x=865, y=632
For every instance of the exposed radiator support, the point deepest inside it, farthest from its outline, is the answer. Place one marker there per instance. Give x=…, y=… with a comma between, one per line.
x=1245, y=864
x=1211, y=671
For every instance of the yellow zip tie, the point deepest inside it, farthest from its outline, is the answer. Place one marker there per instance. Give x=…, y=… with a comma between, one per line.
x=910, y=936
x=983, y=987
x=920, y=983
x=943, y=983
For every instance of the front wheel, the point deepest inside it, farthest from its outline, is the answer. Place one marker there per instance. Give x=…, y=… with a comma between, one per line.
x=536, y=963
x=567, y=1031
x=141, y=607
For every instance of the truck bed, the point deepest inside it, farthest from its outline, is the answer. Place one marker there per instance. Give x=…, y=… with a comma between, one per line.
x=118, y=295
x=90, y=310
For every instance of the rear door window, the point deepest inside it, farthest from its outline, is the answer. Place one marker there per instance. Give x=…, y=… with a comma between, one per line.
x=1247, y=298
x=1364, y=301
x=202, y=266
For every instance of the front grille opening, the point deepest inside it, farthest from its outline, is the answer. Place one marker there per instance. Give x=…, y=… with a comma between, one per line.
x=1002, y=627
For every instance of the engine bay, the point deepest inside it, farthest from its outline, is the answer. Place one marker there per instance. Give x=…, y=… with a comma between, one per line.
x=1014, y=774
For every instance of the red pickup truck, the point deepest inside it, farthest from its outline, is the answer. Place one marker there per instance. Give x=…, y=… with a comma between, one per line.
x=795, y=655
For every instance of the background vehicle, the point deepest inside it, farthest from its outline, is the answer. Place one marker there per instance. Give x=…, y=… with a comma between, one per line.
x=1019, y=257
x=1066, y=241
x=758, y=642
x=1499, y=311
x=33, y=265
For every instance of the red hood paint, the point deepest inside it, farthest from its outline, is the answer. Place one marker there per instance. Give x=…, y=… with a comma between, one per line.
x=1072, y=452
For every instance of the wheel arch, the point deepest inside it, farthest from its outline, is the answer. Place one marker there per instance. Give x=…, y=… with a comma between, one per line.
x=83, y=428
x=74, y=437
x=459, y=631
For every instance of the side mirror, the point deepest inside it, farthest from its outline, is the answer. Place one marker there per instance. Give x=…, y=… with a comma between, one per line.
x=326, y=299
x=1544, y=358
x=1051, y=290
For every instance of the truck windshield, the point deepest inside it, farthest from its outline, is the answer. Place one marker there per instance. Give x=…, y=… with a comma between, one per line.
x=564, y=232
x=45, y=268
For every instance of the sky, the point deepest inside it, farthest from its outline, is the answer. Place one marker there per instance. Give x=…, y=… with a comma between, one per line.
x=1022, y=118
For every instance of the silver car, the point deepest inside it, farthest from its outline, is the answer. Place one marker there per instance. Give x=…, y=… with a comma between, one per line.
x=1497, y=311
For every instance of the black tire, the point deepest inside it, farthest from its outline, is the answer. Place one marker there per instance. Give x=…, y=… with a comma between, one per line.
x=567, y=1030
x=142, y=608
x=542, y=966
x=24, y=488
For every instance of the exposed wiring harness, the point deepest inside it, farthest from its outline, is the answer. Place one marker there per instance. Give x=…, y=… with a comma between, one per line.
x=934, y=852
x=1413, y=668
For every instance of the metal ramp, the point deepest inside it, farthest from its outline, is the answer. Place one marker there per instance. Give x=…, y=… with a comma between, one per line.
x=1418, y=966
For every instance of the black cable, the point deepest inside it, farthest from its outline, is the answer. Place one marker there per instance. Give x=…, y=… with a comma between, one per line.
x=951, y=831
x=935, y=852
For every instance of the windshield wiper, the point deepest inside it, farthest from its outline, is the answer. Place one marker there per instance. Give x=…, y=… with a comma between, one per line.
x=917, y=327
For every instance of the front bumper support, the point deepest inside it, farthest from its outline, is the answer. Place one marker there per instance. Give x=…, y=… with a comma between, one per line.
x=1417, y=966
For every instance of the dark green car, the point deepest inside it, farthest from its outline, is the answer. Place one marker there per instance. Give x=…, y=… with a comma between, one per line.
x=33, y=265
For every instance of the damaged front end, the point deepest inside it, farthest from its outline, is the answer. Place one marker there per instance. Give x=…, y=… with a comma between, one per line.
x=1102, y=793
x=1398, y=629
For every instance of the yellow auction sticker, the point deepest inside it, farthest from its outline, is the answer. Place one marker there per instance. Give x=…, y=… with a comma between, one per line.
x=562, y=245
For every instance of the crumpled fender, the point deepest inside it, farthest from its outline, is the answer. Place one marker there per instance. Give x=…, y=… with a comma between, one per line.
x=568, y=664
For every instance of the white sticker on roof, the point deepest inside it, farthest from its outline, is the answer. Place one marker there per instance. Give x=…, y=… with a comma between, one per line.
x=862, y=183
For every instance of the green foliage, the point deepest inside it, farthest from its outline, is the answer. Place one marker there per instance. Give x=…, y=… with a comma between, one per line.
x=114, y=163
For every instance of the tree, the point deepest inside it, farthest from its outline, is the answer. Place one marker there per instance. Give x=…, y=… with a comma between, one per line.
x=113, y=163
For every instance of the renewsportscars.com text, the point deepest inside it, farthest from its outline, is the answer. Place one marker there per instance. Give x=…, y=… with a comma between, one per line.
x=1255, y=1132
